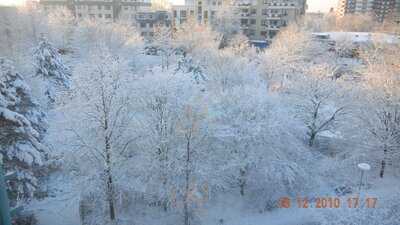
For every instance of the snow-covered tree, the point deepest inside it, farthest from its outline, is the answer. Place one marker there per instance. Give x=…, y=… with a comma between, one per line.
x=193, y=132
x=240, y=44
x=122, y=38
x=196, y=39
x=166, y=127
x=240, y=123
x=163, y=42
x=157, y=107
x=356, y=23
x=62, y=26
x=320, y=101
x=100, y=121
x=283, y=60
x=51, y=68
x=382, y=95
x=227, y=22
x=21, y=132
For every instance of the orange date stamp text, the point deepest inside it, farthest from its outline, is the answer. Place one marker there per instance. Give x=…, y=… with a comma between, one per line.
x=328, y=202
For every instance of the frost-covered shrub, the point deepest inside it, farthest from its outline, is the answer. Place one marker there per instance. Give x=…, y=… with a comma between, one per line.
x=92, y=209
x=26, y=219
x=277, y=179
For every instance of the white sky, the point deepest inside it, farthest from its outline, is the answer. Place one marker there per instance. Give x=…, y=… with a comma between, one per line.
x=321, y=5
x=313, y=5
x=11, y=2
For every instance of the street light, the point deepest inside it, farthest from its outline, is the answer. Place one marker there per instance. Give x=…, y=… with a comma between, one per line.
x=363, y=167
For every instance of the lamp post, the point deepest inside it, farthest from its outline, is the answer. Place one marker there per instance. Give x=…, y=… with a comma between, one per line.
x=5, y=217
x=363, y=167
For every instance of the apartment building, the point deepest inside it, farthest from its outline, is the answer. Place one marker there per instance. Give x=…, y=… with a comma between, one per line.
x=182, y=13
x=91, y=9
x=103, y=10
x=139, y=13
x=202, y=11
x=385, y=9
x=381, y=10
x=54, y=5
x=148, y=20
x=260, y=20
x=267, y=17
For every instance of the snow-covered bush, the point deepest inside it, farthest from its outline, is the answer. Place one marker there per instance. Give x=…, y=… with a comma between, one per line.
x=278, y=179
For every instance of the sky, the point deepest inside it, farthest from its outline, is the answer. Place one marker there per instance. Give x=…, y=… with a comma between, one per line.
x=320, y=5
x=313, y=5
x=11, y=2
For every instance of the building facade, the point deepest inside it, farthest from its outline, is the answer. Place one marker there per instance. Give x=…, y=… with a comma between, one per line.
x=139, y=13
x=260, y=20
x=148, y=20
x=263, y=20
x=380, y=10
x=103, y=10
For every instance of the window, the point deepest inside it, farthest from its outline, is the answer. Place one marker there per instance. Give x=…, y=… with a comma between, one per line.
x=252, y=32
x=107, y=7
x=108, y=16
x=263, y=33
x=272, y=34
x=264, y=11
x=99, y=7
x=183, y=13
x=142, y=25
x=213, y=14
x=100, y=15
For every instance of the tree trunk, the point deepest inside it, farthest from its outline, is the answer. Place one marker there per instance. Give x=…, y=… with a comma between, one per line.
x=187, y=185
x=109, y=177
x=110, y=189
x=311, y=141
x=383, y=163
x=242, y=181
